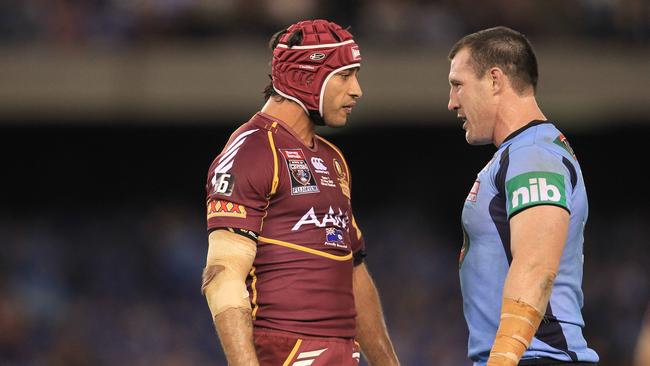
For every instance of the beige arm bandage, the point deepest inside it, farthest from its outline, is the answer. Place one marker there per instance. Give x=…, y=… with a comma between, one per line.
x=229, y=260
x=519, y=322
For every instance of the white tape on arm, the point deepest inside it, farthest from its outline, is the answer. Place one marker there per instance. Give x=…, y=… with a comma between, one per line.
x=229, y=260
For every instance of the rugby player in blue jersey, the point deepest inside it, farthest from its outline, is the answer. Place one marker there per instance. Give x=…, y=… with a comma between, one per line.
x=523, y=219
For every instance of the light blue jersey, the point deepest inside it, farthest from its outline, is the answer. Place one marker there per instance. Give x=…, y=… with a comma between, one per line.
x=533, y=166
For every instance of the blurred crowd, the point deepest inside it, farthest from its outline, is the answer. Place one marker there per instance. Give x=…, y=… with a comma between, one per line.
x=121, y=287
x=127, y=22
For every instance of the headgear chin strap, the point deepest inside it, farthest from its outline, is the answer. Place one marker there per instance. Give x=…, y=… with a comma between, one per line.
x=301, y=72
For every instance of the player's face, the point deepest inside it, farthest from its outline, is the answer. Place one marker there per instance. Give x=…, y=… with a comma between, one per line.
x=472, y=100
x=341, y=94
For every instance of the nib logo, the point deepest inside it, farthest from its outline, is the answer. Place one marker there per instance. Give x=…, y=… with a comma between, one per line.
x=536, y=192
x=535, y=188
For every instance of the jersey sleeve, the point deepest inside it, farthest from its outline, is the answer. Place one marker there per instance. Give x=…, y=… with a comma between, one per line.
x=239, y=183
x=536, y=176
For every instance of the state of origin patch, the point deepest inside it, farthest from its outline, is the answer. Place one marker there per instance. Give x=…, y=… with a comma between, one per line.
x=302, y=179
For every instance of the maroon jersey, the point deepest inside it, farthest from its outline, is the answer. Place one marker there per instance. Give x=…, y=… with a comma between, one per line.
x=298, y=199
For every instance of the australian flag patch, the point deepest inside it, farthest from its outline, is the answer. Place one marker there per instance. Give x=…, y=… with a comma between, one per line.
x=334, y=237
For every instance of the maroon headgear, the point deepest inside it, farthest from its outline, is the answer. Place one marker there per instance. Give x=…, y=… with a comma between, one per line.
x=301, y=72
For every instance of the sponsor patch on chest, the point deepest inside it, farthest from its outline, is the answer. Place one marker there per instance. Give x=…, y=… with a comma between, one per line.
x=324, y=174
x=302, y=179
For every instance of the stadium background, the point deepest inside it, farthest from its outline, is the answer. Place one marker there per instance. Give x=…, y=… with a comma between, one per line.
x=111, y=112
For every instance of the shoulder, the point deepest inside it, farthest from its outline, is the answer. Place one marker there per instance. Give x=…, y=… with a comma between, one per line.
x=252, y=137
x=542, y=142
x=540, y=162
x=535, y=158
x=248, y=147
x=533, y=152
x=248, y=136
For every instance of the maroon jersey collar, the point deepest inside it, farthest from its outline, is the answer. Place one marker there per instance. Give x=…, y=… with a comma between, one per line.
x=290, y=130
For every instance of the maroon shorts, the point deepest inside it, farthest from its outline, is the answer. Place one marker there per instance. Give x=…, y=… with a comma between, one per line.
x=276, y=348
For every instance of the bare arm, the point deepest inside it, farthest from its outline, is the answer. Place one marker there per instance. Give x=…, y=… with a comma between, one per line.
x=371, y=328
x=537, y=240
x=235, y=329
x=538, y=235
x=230, y=258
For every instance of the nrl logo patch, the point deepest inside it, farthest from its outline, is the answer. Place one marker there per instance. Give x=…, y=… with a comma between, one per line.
x=562, y=142
x=302, y=179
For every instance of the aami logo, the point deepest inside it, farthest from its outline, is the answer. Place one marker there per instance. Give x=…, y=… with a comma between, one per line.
x=339, y=219
x=534, y=188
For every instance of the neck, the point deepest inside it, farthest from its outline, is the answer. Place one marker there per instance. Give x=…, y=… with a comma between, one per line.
x=293, y=116
x=515, y=112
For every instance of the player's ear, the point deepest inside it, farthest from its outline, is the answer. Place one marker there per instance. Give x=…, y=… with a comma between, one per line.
x=498, y=80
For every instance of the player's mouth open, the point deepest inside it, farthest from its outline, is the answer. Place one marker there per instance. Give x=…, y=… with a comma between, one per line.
x=348, y=108
x=464, y=120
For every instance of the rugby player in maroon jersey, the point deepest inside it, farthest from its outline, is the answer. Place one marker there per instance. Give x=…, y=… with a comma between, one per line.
x=285, y=278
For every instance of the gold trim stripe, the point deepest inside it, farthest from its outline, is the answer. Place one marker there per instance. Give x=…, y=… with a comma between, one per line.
x=293, y=352
x=354, y=224
x=276, y=179
x=308, y=250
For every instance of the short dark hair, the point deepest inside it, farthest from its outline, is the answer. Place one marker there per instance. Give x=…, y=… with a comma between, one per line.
x=295, y=39
x=504, y=48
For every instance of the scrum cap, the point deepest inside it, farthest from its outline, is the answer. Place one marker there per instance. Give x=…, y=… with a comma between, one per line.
x=301, y=72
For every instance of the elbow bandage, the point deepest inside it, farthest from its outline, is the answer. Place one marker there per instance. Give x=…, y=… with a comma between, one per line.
x=230, y=258
x=519, y=322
